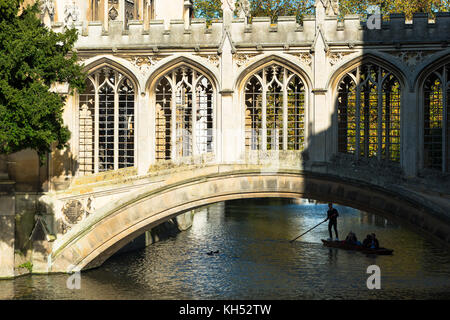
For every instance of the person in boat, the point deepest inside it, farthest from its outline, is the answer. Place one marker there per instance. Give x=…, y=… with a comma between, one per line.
x=371, y=242
x=374, y=244
x=351, y=238
x=332, y=215
x=367, y=241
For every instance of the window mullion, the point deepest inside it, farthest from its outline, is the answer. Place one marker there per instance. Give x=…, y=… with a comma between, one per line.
x=116, y=128
x=380, y=115
x=444, y=121
x=358, y=121
x=358, y=110
x=194, y=146
x=285, y=111
x=264, y=112
x=173, y=130
x=97, y=127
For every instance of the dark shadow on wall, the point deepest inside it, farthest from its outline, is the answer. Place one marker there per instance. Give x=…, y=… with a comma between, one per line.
x=164, y=231
x=31, y=176
x=25, y=179
x=418, y=208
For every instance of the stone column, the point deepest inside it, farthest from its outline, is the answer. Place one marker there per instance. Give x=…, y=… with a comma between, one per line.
x=105, y=15
x=145, y=125
x=320, y=117
x=229, y=118
x=410, y=139
x=122, y=13
x=186, y=13
x=7, y=224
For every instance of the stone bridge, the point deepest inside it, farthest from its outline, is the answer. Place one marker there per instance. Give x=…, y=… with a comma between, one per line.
x=178, y=113
x=112, y=210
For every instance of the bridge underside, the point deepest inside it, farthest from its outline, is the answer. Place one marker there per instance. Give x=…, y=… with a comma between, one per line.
x=100, y=235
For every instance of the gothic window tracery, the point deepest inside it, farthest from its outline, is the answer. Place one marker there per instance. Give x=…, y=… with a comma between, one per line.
x=436, y=120
x=184, y=114
x=369, y=113
x=106, y=122
x=274, y=110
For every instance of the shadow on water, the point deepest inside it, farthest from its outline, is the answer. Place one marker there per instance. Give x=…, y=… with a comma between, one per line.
x=257, y=261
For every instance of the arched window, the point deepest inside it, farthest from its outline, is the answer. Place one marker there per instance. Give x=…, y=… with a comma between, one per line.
x=436, y=120
x=184, y=114
x=106, y=122
x=369, y=113
x=274, y=110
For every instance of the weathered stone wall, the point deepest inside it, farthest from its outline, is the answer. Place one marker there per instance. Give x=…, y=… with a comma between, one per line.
x=7, y=229
x=320, y=50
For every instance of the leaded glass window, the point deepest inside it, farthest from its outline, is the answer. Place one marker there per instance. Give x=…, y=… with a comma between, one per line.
x=106, y=122
x=184, y=114
x=369, y=113
x=274, y=110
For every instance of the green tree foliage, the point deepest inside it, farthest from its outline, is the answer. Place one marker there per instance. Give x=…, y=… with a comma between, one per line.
x=276, y=8
x=211, y=9
x=408, y=7
x=208, y=9
x=32, y=59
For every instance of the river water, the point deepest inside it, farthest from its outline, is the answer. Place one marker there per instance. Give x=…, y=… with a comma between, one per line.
x=257, y=261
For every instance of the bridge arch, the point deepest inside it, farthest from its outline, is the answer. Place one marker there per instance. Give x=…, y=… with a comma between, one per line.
x=90, y=243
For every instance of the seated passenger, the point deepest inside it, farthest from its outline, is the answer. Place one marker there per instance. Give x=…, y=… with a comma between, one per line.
x=374, y=244
x=351, y=238
x=367, y=241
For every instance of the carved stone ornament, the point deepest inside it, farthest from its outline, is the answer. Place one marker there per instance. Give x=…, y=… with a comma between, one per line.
x=243, y=58
x=73, y=211
x=212, y=59
x=331, y=7
x=243, y=8
x=71, y=13
x=144, y=63
x=336, y=57
x=47, y=5
x=113, y=14
x=412, y=58
x=304, y=57
x=228, y=5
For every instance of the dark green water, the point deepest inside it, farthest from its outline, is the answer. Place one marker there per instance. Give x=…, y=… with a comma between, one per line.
x=256, y=261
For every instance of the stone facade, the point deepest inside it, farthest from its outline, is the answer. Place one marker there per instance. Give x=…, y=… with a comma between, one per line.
x=158, y=48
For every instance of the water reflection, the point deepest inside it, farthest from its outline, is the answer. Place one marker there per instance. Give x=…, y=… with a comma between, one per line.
x=257, y=261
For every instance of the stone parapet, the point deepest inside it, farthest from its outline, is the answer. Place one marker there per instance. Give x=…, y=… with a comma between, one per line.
x=354, y=28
